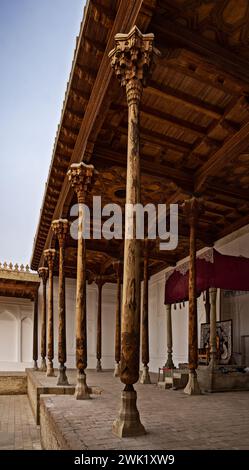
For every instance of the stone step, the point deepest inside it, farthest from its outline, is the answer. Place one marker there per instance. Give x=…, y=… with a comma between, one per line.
x=164, y=385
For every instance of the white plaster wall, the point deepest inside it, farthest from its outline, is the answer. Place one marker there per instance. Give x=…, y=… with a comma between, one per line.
x=16, y=325
x=108, y=323
x=158, y=327
x=236, y=307
x=16, y=320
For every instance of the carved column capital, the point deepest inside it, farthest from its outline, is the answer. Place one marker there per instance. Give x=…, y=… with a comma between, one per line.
x=99, y=281
x=60, y=228
x=81, y=177
x=132, y=60
x=133, y=56
x=43, y=274
x=192, y=209
x=50, y=256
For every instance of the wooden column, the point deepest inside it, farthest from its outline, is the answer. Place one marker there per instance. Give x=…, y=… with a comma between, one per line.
x=60, y=228
x=192, y=209
x=207, y=306
x=131, y=60
x=99, y=281
x=35, y=333
x=169, y=362
x=43, y=273
x=117, y=266
x=50, y=256
x=145, y=377
x=212, y=339
x=81, y=178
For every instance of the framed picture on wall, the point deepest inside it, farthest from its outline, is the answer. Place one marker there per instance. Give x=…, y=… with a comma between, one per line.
x=223, y=339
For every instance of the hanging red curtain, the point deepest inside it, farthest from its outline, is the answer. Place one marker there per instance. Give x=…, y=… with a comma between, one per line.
x=212, y=270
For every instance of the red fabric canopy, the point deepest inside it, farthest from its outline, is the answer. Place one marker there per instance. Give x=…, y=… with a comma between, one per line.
x=212, y=270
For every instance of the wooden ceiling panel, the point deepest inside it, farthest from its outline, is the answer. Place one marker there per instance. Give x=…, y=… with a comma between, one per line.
x=196, y=94
x=194, y=121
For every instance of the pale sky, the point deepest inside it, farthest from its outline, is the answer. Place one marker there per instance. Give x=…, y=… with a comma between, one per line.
x=37, y=40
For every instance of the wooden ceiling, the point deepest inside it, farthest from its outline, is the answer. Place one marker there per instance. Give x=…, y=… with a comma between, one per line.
x=194, y=121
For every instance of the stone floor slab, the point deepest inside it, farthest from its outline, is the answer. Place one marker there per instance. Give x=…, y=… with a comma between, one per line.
x=18, y=430
x=173, y=420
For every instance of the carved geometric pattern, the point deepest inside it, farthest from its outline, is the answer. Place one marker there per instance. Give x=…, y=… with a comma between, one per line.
x=225, y=21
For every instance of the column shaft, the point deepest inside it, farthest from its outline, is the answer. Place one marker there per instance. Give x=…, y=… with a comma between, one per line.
x=81, y=176
x=193, y=208
x=62, y=352
x=213, y=349
x=43, y=273
x=193, y=346
x=145, y=377
x=81, y=319
x=145, y=319
x=131, y=59
x=50, y=370
x=44, y=323
x=35, y=332
x=130, y=330
x=118, y=327
x=99, y=328
x=50, y=256
x=60, y=229
x=62, y=344
x=207, y=306
x=169, y=362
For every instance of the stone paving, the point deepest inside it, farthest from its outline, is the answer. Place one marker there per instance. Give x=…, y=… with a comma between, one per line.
x=45, y=381
x=172, y=419
x=17, y=427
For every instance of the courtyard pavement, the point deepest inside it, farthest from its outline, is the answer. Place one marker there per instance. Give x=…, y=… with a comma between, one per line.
x=17, y=427
x=172, y=419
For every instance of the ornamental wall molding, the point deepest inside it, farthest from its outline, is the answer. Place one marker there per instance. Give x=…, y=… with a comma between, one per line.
x=17, y=272
x=16, y=268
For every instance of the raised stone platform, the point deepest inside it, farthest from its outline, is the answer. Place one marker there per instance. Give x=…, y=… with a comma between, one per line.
x=39, y=384
x=13, y=383
x=175, y=378
x=173, y=420
x=222, y=379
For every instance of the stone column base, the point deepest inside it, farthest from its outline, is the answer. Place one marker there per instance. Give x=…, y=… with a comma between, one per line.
x=62, y=379
x=99, y=366
x=35, y=366
x=50, y=369
x=145, y=377
x=192, y=387
x=170, y=364
x=212, y=363
x=43, y=367
x=116, y=372
x=128, y=423
x=82, y=391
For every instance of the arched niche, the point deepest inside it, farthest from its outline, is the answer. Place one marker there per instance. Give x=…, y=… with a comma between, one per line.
x=26, y=340
x=8, y=337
